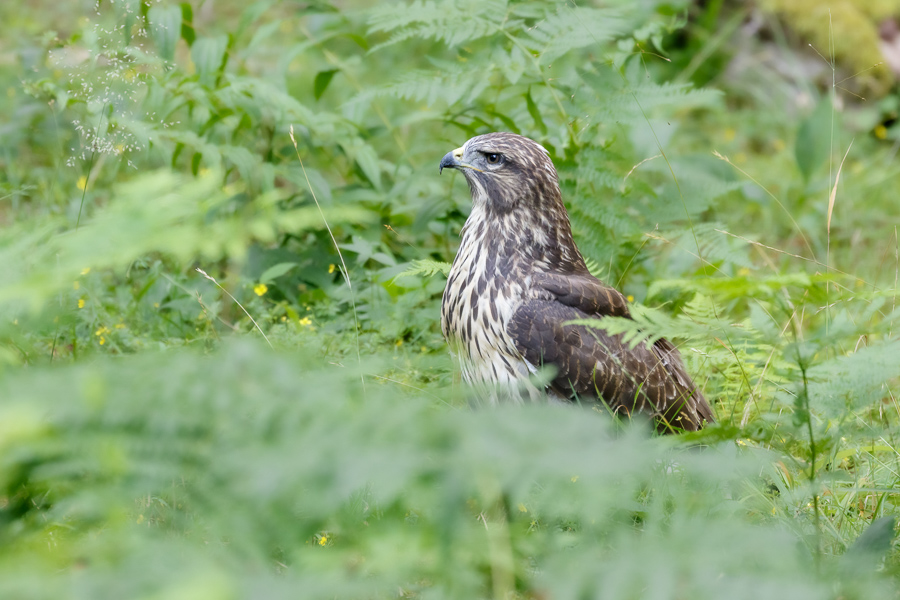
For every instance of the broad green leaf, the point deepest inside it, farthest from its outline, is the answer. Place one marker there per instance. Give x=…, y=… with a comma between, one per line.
x=209, y=56
x=870, y=547
x=814, y=140
x=366, y=158
x=276, y=271
x=535, y=112
x=323, y=78
x=187, y=23
x=165, y=29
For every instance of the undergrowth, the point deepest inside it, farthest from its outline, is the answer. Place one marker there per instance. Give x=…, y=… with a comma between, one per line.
x=180, y=182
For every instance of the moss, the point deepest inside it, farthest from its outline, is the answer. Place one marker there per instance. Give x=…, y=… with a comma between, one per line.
x=853, y=29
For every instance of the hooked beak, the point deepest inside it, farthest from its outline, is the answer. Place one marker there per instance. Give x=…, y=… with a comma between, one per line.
x=451, y=160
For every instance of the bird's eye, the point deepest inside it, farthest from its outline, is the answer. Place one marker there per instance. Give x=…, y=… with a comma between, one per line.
x=492, y=157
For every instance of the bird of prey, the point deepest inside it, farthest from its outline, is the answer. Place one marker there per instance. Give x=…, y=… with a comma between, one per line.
x=518, y=281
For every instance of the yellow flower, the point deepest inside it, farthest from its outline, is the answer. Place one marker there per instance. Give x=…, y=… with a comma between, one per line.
x=120, y=325
x=81, y=303
x=260, y=289
x=75, y=285
x=575, y=478
x=102, y=330
x=323, y=540
x=523, y=508
x=82, y=183
x=743, y=272
x=881, y=132
x=305, y=321
x=630, y=298
x=85, y=270
x=102, y=340
x=331, y=268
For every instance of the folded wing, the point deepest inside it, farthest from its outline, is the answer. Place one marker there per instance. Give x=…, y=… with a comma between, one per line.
x=591, y=364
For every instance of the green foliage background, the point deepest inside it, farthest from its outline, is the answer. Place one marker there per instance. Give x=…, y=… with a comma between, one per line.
x=200, y=397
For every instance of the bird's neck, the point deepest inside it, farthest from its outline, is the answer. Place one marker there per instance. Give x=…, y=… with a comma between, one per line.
x=540, y=240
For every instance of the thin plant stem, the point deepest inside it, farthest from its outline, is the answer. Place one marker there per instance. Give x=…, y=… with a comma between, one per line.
x=345, y=272
x=255, y=324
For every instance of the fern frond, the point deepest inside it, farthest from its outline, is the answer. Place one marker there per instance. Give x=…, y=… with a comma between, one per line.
x=714, y=247
x=573, y=28
x=647, y=325
x=854, y=381
x=424, y=267
x=453, y=23
x=449, y=85
x=634, y=102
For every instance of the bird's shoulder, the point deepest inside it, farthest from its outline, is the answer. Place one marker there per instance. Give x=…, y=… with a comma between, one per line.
x=581, y=291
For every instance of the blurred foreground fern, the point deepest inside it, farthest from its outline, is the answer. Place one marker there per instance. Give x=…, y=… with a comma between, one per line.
x=221, y=476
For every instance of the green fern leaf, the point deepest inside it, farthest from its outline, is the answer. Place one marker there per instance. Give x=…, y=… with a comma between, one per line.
x=426, y=268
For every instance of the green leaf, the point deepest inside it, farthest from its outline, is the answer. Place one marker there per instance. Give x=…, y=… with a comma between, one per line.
x=246, y=162
x=131, y=12
x=323, y=78
x=165, y=29
x=534, y=112
x=813, y=140
x=187, y=23
x=366, y=158
x=870, y=547
x=276, y=271
x=209, y=56
x=426, y=268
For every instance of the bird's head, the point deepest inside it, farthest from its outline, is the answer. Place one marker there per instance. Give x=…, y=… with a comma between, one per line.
x=506, y=171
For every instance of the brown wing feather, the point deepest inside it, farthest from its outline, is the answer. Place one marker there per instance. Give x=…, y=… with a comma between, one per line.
x=590, y=363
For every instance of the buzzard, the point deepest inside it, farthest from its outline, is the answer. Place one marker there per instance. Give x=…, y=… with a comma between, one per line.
x=517, y=282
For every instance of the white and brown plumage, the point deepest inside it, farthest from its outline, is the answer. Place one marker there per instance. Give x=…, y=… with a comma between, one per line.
x=518, y=279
